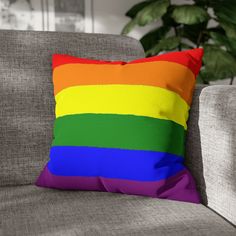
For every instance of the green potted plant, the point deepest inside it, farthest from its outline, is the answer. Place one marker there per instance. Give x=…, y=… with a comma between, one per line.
x=189, y=26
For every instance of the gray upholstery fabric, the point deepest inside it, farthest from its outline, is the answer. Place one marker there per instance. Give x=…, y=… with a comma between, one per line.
x=26, y=92
x=211, y=147
x=28, y=210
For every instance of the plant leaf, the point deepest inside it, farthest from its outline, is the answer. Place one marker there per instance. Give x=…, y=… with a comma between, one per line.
x=232, y=47
x=201, y=79
x=148, y=14
x=219, y=39
x=185, y=46
x=151, y=38
x=132, y=12
x=129, y=26
x=189, y=14
x=152, y=12
x=230, y=29
x=224, y=10
x=219, y=64
x=166, y=44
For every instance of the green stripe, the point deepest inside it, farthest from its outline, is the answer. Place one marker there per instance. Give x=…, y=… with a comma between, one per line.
x=119, y=131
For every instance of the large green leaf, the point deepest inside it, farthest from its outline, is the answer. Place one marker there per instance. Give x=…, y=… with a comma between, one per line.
x=232, y=47
x=151, y=38
x=132, y=12
x=218, y=64
x=129, y=26
x=153, y=11
x=222, y=40
x=166, y=44
x=189, y=14
x=225, y=10
x=230, y=29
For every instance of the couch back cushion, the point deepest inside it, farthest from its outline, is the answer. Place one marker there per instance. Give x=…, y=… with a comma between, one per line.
x=26, y=92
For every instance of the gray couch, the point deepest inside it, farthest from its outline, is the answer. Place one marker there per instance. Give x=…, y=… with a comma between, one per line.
x=26, y=122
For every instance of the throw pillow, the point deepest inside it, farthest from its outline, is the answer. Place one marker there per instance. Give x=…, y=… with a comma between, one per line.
x=121, y=126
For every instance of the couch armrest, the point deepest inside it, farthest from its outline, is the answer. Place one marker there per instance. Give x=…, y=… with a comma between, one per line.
x=211, y=147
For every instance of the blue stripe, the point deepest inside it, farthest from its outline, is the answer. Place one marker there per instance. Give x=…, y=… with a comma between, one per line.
x=113, y=163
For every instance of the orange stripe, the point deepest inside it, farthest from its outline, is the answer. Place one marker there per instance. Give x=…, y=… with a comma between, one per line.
x=168, y=75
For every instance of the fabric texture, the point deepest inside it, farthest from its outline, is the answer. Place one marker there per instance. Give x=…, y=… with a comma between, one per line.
x=26, y=92
x=211, y=147
x=28, y=210
x=100, y=102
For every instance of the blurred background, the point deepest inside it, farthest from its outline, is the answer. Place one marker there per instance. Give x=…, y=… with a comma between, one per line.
x=161, y=25
x=98, y=16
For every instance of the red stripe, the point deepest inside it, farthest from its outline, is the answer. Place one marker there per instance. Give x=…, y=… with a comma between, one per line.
x=188, y=58
x=60, y=59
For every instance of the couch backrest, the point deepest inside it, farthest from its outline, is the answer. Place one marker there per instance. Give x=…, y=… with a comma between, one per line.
x=26, y=92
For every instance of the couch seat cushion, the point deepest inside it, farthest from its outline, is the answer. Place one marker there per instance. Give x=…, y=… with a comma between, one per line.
x=29, y=210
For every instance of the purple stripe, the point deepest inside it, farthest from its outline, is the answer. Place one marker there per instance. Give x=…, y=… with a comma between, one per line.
x=180, y=187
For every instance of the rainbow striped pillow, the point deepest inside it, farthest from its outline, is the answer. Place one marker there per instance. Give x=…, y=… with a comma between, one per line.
x=120, y=127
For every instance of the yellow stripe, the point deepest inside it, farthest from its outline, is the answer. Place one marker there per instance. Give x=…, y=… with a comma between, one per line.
x=137, y=100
